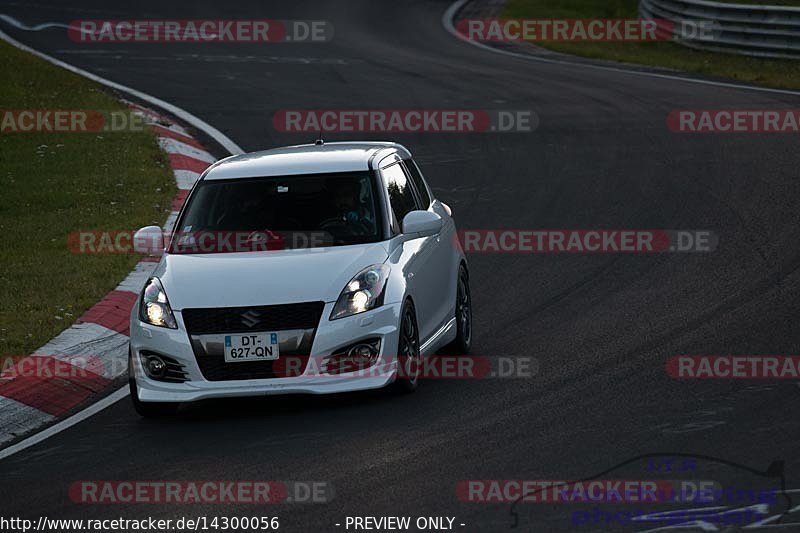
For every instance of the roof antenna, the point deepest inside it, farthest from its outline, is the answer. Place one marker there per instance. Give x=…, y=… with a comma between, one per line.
x=320, y=141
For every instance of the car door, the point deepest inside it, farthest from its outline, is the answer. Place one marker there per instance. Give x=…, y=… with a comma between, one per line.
x=417, y=255
x=443, y=263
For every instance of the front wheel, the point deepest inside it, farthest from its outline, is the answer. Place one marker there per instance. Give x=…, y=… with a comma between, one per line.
x=463, y=341
x=408, y=354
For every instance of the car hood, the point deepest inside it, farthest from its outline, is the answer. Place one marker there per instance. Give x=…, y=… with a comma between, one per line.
x=263, y=278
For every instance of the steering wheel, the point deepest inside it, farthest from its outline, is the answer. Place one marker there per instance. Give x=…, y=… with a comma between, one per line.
x=333, y=222
x=343, y=228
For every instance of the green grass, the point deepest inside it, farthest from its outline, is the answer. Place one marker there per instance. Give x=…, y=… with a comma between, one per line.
x=56, y=183
x=768, y=72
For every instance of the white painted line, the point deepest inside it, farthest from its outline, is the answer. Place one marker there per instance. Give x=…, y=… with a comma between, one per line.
x=19, y=418
x=182, y=114
x=172, y=146
x=185, y=179
x=39, y=27
x=450, y=13
x=66, y=423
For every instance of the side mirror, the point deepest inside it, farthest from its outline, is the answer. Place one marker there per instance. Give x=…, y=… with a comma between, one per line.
x=149, y=241
x=446, y=208
x=421, y=224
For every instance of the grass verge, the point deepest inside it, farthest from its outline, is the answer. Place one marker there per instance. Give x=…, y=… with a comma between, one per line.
x=56, y=183
x=783, y=73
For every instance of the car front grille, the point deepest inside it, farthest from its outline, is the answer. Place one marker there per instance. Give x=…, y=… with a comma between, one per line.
x=207, y=326
x=245, y=319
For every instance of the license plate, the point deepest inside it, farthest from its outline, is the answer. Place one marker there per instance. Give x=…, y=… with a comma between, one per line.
x=251, y=347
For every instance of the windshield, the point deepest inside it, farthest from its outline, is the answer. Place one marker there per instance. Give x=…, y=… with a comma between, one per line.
x=279, y=213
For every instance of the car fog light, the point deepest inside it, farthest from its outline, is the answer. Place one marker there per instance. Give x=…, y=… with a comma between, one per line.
x=156, y=366
x=359, y=356
x=364, y=351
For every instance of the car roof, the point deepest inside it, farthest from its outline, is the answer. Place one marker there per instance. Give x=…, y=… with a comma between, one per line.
x=304, y=159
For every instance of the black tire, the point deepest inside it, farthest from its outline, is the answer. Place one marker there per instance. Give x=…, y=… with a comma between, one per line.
x=463, y=341
x=408, y=353
x=147, y=409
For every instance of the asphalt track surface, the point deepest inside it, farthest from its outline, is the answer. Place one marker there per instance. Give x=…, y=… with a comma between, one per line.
x=601, y=325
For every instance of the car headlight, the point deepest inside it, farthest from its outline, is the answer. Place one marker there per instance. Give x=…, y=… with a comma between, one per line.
x=154, y=307
x=363, y=292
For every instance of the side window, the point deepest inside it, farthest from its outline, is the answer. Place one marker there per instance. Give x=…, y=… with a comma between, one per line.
x=419, y=183
x=401, y=195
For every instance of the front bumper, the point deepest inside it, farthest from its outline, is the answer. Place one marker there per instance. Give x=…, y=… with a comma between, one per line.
x=330, y=336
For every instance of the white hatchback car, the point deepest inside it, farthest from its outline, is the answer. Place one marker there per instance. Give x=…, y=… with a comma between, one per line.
x=317, y=268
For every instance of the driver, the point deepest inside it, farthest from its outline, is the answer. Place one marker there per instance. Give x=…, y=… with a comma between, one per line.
x=349, y=208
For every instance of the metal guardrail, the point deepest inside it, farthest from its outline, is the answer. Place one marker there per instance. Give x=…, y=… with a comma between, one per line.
x=764, y=31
